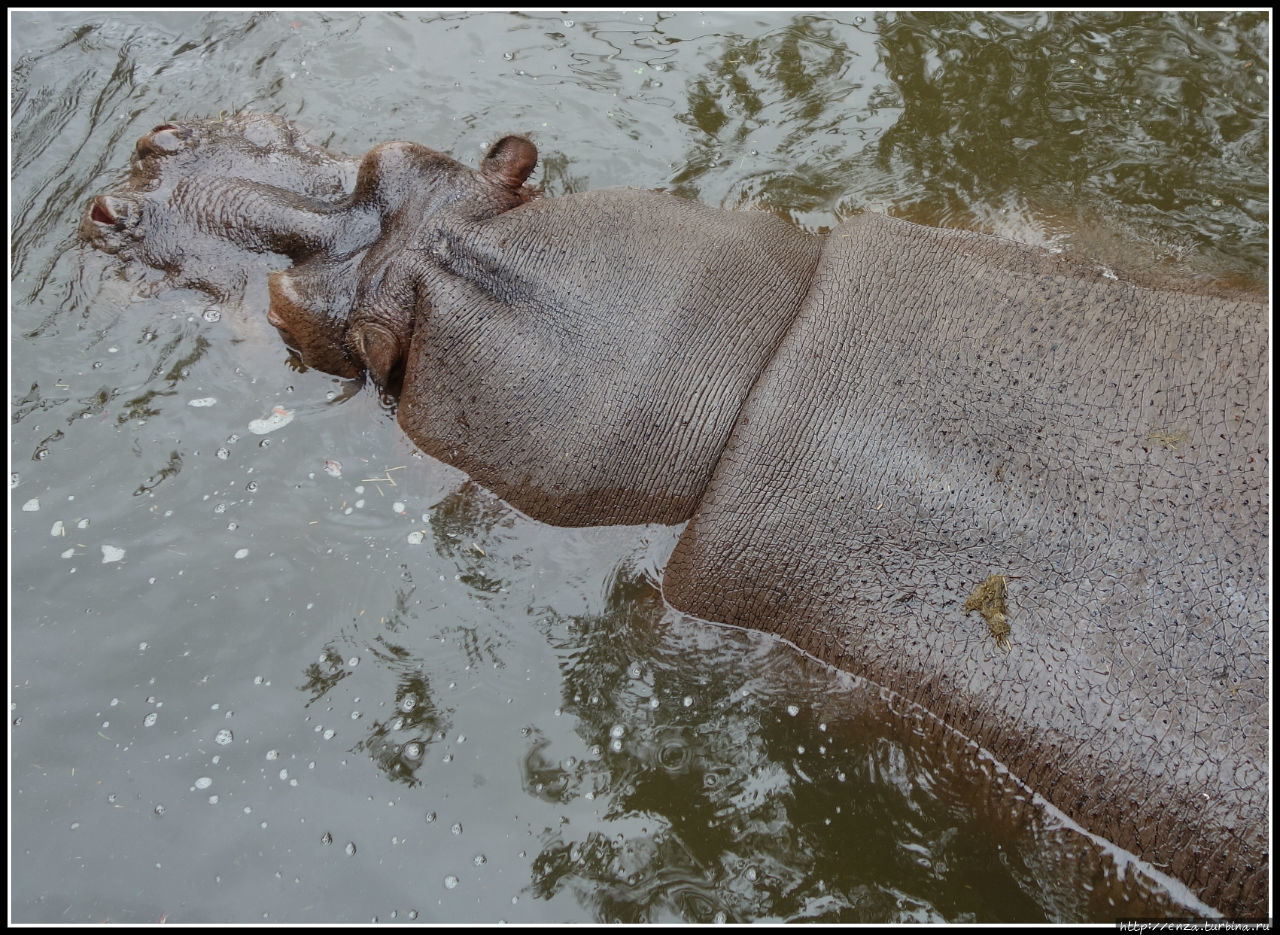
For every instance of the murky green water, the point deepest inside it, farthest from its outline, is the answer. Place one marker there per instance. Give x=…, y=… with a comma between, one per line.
x=310, y=675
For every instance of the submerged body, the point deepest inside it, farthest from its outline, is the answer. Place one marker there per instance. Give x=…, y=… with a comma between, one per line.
x=861, y=430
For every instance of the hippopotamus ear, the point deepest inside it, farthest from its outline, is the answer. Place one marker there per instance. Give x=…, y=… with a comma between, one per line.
x=511, y=161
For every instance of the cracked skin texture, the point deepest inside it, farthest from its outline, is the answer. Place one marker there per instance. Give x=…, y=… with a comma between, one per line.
x=948, y=406
x=861, y=429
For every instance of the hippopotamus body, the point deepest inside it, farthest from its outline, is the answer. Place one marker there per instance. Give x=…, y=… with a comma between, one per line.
x=1026, y=495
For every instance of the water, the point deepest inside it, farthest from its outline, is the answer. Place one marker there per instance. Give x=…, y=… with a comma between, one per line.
x=309, y=675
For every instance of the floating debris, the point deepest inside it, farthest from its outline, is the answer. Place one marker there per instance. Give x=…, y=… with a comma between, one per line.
x=386, y=478
x=988, y=599
x=1170, y=439
x=111, y=553
x=278, y=419
x=203, y=402
x=333, y=467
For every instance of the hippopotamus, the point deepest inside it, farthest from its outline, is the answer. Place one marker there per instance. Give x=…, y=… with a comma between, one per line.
x=1028, y=495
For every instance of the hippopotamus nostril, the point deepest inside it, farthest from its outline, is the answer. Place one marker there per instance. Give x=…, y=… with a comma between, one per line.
x=102, y=211
x=162, y=140
x=113, y=212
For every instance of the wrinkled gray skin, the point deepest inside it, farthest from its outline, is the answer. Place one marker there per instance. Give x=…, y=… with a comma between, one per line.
x=860, y=430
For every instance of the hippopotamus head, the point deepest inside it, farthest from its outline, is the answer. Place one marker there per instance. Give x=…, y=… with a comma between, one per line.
x=207, y=199
x=345, y=313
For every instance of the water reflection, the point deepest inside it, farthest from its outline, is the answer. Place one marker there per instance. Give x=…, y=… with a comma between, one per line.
x=728, y=785
x=398, y=745
x=1056, y=128
x=1152, y=120
x=458, y=521
x=783, y=102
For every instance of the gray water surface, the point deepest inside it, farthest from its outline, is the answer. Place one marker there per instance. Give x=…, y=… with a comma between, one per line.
x=311, y=675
